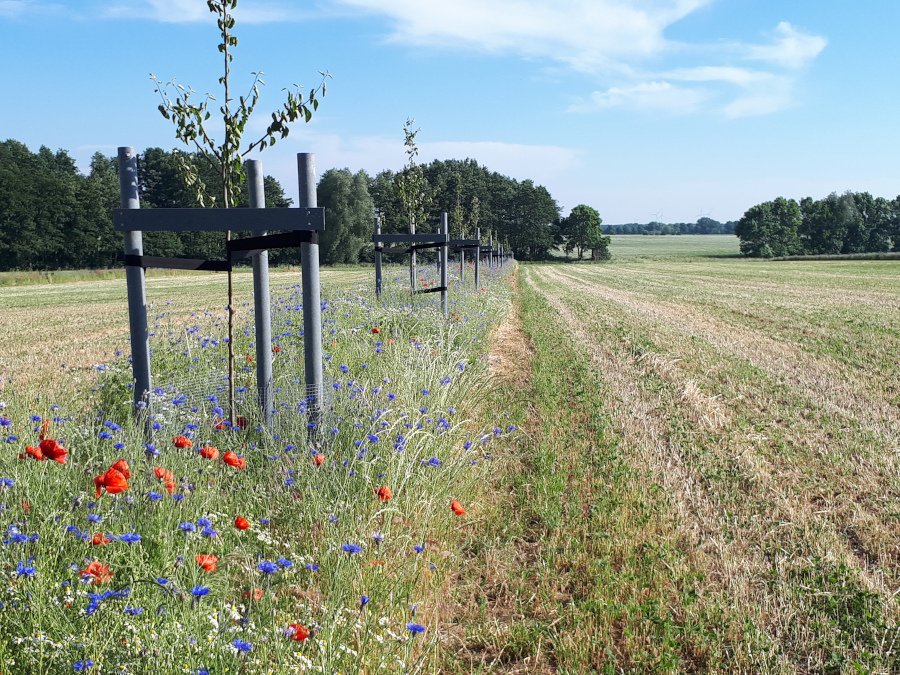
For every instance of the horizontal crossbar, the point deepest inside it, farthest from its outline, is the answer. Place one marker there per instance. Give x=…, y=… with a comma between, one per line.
x=436, y=289
x=423, y=238
x=272, y=241
x=161, y=262
x=218, y=220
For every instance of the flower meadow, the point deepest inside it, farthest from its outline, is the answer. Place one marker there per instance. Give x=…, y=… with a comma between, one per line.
x=316, y=545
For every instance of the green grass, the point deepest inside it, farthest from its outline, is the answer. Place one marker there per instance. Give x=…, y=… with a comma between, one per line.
x=674, y=246
x=399, y=414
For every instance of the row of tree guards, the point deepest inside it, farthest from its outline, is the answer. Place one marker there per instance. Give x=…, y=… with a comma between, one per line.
x=299, y=227
x=410, y=243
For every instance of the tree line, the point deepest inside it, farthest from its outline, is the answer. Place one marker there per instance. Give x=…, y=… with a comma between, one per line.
x=54, y=217
x=853, y=222
x=703, y=225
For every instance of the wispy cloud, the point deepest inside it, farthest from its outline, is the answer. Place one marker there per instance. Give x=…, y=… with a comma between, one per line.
x=190, y=11
x=615, y=41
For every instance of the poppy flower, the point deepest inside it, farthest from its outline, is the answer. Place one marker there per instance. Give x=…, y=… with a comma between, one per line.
x=122, y=467
x=233, y=460
x=166, y=476
x=209, y=452
x=384, y=493
x=297, y=631
x=100, y=539
x=207, y=562
x=34, y=453
x=376, y=330
x=113, y=481
x=241, y=523
x=53, y=450
x=182, y=442
x=457, y=508
x=97, y=573
x=319, y=459
x=277, y=349
x=255, y=595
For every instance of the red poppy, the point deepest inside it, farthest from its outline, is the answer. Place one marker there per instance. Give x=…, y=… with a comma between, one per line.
x=384, y=493
x=207, y=561
x=376, y=330
x=166, y=476
x=209, y=452
x=35, y=453
x=182, y=442
x=122, y=467
x=319, y=459
x=277, y=349
x=241, y=523
x=219, y=424
x=53, y=450
x=100, y=539
x=457, y=508
x=97, y=573
x=113, y=481
x=298, y=632
x=255, y=595
x=233, y=460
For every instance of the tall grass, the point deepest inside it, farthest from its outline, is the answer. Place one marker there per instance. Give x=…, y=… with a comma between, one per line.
x=322, y=550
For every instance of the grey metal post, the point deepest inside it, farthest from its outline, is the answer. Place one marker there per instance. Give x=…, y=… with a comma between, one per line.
x=445, y=255
x=261, y=302
x=478, y=259
x=412, y=265
x=462, y=263
x=312, y=296
x=137, y=291
x=378, y=247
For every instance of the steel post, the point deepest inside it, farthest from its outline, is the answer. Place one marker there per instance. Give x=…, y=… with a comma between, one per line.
x=261, y=300
x=312, y=296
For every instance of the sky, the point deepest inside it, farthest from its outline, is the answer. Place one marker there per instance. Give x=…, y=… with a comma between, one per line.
x=643, y=109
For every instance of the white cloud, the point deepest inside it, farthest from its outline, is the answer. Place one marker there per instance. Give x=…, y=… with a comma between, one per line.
x=613, y=40
x=791, y=48
x=658, y=96
x=544, y=164
x=591, y=35
x=190, y=11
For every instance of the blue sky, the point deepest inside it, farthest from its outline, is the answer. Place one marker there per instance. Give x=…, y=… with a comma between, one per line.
x=643, y=109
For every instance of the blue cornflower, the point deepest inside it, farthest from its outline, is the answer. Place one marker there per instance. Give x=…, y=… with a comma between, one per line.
x=25, y=570
x=242, y=646
x=162, y=581
x=391, y=397
x=130, y=538
x=134, y=611
x=372, y=438
x=351, y=548
x=363, y=601
x=446, y=380
x=345, y=368
x=155, y=496
x=467, y=445
x=94, y=518
x=434, y=461
x=204, y=522
x=112, y=426
x=5, y=422
x=150, y=450
x=209, y=532
x=119, y=446
x=267, y=567
x=200, y=591
x=415, y=628
x=312, y=567
x=285, y=563
x=419, y=548
x=187, y=527
x=104, y=435
x=7, y=482
x=425, y=392
x=82, y=666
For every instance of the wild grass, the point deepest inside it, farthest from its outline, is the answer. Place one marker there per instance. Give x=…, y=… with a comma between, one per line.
x=754, y=472
x=322, y=549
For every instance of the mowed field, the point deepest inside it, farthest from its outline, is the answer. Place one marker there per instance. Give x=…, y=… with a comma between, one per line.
x=52, y=335
x=740, y=506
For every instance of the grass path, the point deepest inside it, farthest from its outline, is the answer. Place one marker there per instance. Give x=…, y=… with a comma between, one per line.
x=694, y=493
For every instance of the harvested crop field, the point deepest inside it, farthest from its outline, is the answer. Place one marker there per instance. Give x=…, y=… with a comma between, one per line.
x=761, y=401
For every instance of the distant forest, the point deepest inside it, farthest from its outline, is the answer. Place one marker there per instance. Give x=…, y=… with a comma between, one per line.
x=702, y=226
x=851, y=223
x=54, y=217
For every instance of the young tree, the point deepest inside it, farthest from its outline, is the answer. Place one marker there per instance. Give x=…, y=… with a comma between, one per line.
x=581, y=230
x=225, y=158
